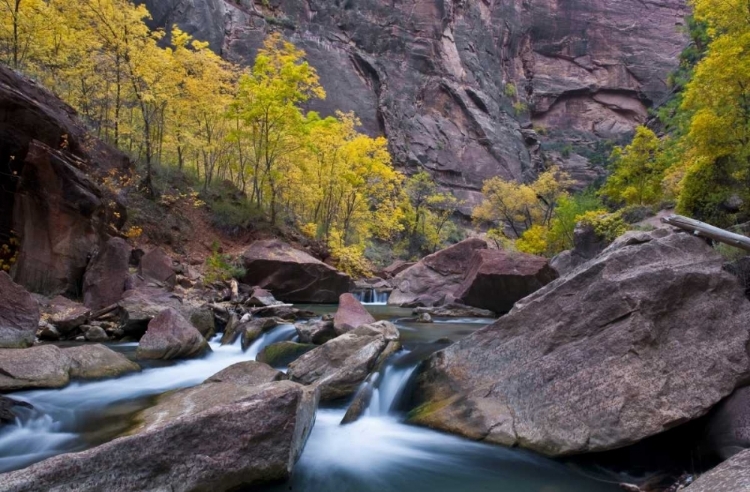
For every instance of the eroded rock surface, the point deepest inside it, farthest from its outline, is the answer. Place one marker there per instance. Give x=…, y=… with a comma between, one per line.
x=19, y=314
x=650, y=334
x=107, y=274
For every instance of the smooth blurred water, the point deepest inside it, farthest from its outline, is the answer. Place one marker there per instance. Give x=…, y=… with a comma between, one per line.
x=377, y=453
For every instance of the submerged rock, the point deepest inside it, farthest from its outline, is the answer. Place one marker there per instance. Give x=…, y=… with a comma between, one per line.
x=9, y=409
x=292, y=275
x=732, y=475
x=19, y=314
x=171, y=336
x=350, y=314
x=496, y=279
x=650, y=334
x=107, y=274
x=281, y=354
x=215, y=436
x=95, y=361
x=435, y=278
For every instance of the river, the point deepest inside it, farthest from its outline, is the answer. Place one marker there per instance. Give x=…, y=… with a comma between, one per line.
x=377, y=453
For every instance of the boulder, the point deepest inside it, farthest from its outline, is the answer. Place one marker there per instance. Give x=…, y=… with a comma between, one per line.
x=292, y=275
x=215, y=436
x=728, y=429
x=732, y=475
x=339, y=366
x=19, y=314
x=455, y=310
x=496, y=279
x=43, y=366
x=157, y=265
x=139, y=306
x=95, y=334
x=107, y=274
x=47, y=332
x=64, y=314
x=248, y=373
x=586, y=245
x=95, y=361
x=171, y=336
x=231, y=330
x=9, y=409
x=650, y=334
x=261, y=297
x=394, y=269
x=202, y=318
x=317, y=332
x=281, y=354
x=350, y=315
x=253, y=329
x=435, y=277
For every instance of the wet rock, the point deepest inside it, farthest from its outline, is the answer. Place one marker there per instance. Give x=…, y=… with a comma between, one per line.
x=171, y=336
x=231, y=330
x=350, y=315
x=434, y=277
x=248, y=373
x=317, y=332
x=19, y=314
x=361, y=400
x=424, y=318
x=202, y=318
x=253, y=329
x=157, y=265
x=648, y=335
x=215, y=436
x=455, y=310
x=94, y=333
x=107, y=274
x=43, y=366
x=496, y=279
x=94, y=361
x=292, y=275
x=339, y=366
x=732, y=475
x=9, y=409
x=281, y=354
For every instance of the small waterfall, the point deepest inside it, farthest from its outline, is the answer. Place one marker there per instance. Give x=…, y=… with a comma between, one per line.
x=372, y=297
x=388, y=387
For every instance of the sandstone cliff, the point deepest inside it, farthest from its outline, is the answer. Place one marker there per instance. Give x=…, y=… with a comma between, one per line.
x=440, y=78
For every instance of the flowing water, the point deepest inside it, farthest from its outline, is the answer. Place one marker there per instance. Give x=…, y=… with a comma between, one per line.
x=377, y=453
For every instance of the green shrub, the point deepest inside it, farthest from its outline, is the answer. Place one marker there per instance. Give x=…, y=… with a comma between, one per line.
x=607, y=226
x=221, y=268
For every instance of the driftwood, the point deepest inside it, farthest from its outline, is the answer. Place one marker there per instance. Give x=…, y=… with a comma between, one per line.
x=708, y=231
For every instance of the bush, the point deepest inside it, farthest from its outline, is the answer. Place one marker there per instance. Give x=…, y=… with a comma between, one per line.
x=533, y=241
x=606, y=226
x=228, y=214
x=221, y=268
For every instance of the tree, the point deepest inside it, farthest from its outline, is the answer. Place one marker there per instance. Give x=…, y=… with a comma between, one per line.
x=637, y=171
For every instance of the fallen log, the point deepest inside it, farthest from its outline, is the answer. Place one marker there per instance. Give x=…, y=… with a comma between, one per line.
x=702, y=229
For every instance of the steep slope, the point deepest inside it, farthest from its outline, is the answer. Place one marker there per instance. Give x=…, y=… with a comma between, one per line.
x=440, y=78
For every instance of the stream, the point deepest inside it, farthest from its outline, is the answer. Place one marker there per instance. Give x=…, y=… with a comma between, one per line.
x=377, y=453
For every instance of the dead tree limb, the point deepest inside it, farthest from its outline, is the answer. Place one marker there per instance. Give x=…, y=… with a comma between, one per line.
x=702, y=229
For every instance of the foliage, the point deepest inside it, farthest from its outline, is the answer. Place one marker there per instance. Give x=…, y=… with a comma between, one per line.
x=534, y=240
x=637, y=171
x=567, y=215
x=221, y=268
x=609, y=226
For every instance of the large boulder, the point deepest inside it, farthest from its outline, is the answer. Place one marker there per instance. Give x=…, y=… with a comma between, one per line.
x=171, y=336
x=339, y=366
x=65, y=315
x=248, y=373
x=43, y=366
x=95, y=361
x=107, y=274
x=139, y=306
x=215, y=436
x=317, y=332
x=434, y=279
x=650, y=334
x=19, y=314
x=732, y=475
x=350, y=314
x=496, y=279
x=157, y=265
x=292, y=275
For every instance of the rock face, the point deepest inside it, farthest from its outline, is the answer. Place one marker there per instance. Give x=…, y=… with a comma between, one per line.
x=350, y=314
x=216, y=436
x=107, y=274
x=648, y=335
x=292, y=275
x=19, y=314
x=440, y=79
x=171, y=336
x=435, y=277
x=731, y=476
x=340, y=365
x=50, y=159
x=497, y=279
